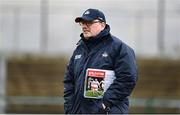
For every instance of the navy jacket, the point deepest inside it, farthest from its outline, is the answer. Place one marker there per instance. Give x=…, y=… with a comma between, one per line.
x=89, y=54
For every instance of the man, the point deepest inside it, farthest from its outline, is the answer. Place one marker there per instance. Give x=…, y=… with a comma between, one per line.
x=95, y=85
x=98, y=49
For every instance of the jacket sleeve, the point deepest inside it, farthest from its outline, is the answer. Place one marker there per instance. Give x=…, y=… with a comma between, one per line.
x=69, y=87
x=126, y=75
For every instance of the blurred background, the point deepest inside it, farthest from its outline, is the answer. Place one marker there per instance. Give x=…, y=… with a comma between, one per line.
x=37, y=38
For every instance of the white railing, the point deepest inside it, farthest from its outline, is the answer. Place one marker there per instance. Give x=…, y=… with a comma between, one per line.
x=50, y=100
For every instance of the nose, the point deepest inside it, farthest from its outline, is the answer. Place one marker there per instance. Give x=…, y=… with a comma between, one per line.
x=84, y=26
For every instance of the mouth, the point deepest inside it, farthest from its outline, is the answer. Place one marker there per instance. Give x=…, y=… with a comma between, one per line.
x=85, y=31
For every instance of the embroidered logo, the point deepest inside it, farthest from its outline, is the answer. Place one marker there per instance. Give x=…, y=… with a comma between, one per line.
x=105, y=54
x=77, y=56
x=87, y=12
x=100, y=18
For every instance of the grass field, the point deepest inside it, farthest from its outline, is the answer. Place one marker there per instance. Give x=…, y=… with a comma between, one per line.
x=90, y=93
x=36, y=76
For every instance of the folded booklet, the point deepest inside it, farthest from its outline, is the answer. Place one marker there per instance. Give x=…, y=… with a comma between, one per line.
x=97, y=81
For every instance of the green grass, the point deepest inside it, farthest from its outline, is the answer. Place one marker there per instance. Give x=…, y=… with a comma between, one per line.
x=90, y=93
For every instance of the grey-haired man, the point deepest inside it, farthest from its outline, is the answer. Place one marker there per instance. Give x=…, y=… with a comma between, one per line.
x=98, y=49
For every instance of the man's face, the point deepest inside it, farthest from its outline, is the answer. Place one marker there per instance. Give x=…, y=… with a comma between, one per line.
x=91, y=28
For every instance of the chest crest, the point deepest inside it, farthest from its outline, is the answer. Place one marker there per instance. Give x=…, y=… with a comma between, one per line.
x=105, y=54
x=77, y=56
